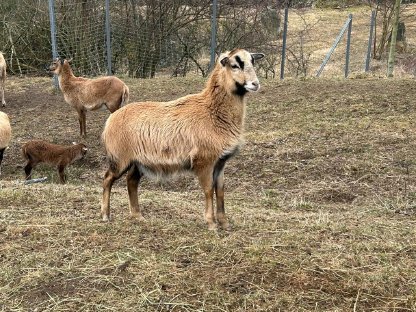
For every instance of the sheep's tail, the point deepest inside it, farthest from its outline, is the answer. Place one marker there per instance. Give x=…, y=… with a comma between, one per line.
x=125, y=96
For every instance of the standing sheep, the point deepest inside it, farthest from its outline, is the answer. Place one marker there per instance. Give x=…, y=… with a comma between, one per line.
x=5, y=134
x=2, y=78
x=197, y=133
x=89, y=94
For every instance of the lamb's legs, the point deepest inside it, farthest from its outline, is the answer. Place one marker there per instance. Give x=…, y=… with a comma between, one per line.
x=206, y=181
x=28, y=169
x=61, y=171
x=133, y=179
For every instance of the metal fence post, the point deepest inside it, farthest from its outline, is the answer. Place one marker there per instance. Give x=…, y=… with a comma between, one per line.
x=347, y=53
x=282, y=65
x=370, y=41
x=213, y=34
x=108, y=37
x=53, y=37
x=337, y=40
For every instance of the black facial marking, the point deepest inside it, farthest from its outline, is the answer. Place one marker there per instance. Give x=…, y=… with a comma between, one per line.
x=240, y=90
x=62, y=61
x=240, y=62
x=252, y=59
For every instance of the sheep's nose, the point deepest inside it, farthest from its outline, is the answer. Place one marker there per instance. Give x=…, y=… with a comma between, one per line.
x=255, y=85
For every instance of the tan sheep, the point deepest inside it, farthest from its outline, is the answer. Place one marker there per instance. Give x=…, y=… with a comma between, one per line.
x=5, y=134
x=89, y=94
x=197, y=133
x=2, y=78
x=39, y=151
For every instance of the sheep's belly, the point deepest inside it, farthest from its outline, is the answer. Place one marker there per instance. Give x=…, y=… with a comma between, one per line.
x=164, y=171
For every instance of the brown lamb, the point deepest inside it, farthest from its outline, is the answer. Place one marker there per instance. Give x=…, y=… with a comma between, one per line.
x=196, y=133
x=89, y=94
x=39, y=151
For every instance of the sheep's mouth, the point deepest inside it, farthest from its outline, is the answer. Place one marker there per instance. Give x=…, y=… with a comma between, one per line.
x=252, y=88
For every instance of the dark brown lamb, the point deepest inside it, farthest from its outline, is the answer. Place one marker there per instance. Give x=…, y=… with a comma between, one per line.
x=39, y=151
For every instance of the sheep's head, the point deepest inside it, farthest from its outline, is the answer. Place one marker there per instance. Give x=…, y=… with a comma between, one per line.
x=57, y=65
x=239, y=67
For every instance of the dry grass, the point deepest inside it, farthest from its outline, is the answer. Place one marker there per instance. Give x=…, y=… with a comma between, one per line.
x=321, y=199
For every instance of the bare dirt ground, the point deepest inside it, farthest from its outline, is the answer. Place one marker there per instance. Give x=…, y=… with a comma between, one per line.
x=321, y=199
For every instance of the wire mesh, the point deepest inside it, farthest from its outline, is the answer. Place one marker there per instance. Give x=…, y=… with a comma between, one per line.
x=151, y=38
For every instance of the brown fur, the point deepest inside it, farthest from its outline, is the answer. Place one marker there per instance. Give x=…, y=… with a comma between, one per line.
x=2, y=78
x=89, y=94
x=5, y=134
x=39, y=151
x=197, y=132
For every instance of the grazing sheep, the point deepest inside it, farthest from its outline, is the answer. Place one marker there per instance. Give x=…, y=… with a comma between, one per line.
x=39, y=151
x=2, y=78
x=5, y=134
x=197, y=133
x=89, y=94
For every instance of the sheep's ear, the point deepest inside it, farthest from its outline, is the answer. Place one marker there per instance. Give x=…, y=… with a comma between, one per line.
x=85, y=149
x=224, y=60
x=75, y=143
x=257, y=56
x=70, y=60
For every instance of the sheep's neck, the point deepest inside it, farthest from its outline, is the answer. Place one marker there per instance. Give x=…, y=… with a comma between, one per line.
x=65, y=78
x=228, y=108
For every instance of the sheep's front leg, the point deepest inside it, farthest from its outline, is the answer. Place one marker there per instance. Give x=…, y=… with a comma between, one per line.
x=1, y=157
x=82, y=123
x=3, y=101
x=206, y=181
x=133, y=179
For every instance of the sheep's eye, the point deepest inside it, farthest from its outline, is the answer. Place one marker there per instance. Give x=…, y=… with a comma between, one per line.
x=234, y=66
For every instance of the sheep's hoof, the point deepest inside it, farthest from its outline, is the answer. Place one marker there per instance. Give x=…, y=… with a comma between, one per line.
x=212, y=226
x=106, y=218
x=225, y=225
x=138, y=217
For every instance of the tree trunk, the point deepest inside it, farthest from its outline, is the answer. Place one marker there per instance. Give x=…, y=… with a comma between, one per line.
x=392, y=54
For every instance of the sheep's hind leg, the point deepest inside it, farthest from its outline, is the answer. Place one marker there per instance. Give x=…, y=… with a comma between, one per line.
x=219, y=194
x=109, y=178
x=206, y=181
x=133, y=179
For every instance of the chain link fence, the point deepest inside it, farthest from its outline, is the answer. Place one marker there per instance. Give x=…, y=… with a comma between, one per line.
x=173, y=38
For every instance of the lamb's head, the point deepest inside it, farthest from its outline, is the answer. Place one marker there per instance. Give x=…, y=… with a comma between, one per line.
x=81, y=150
x=239, y=70
x=58, y=64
